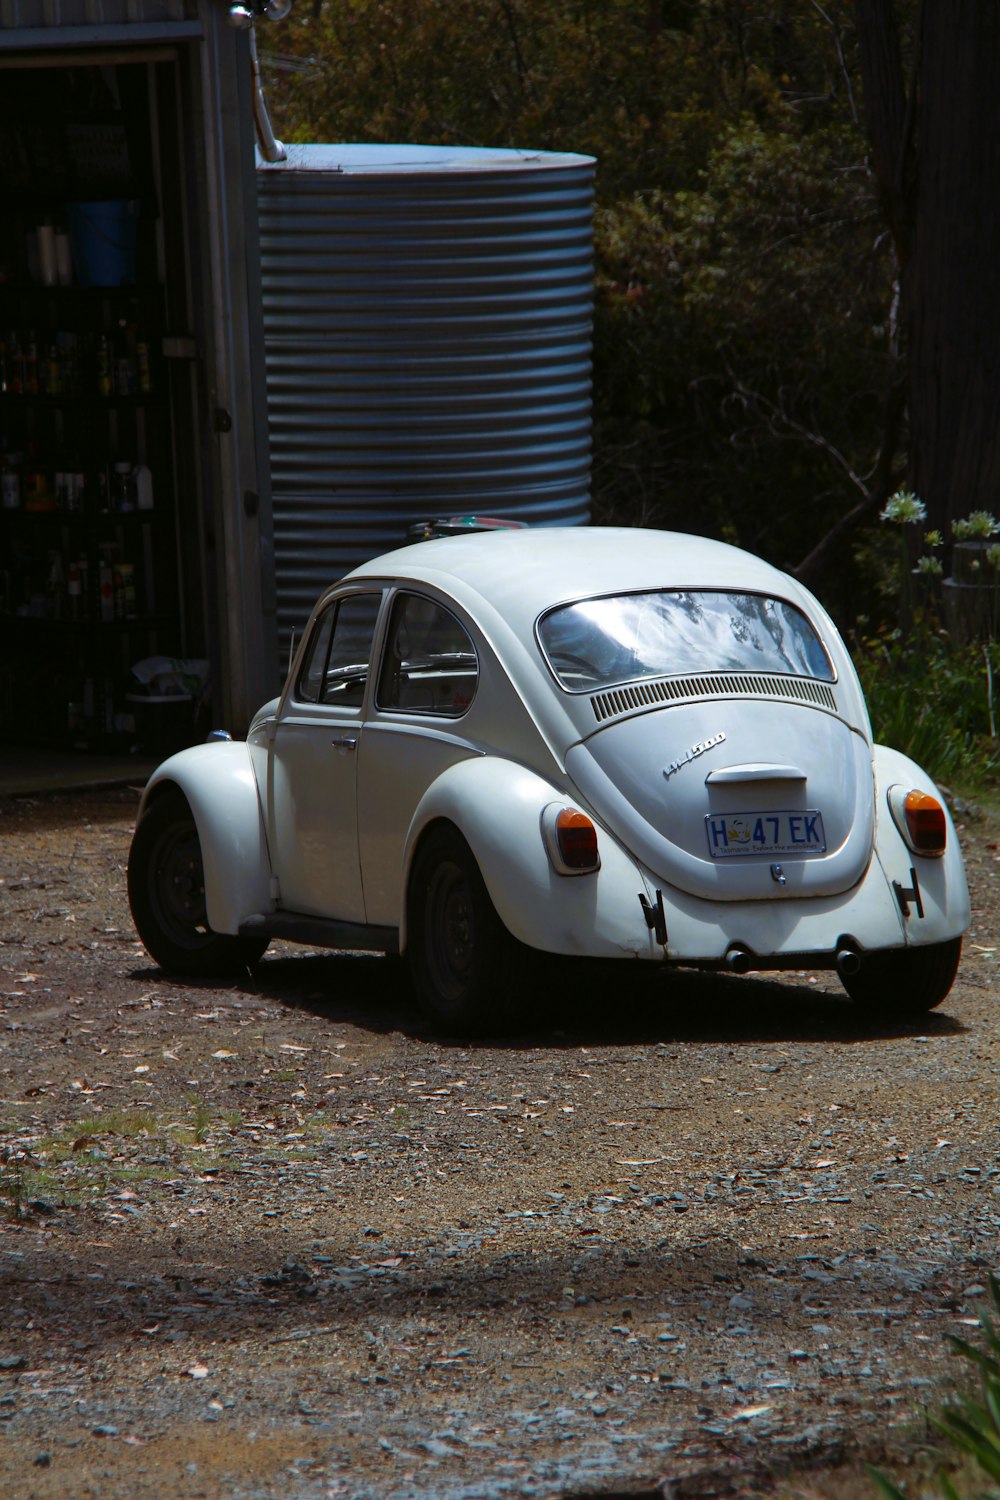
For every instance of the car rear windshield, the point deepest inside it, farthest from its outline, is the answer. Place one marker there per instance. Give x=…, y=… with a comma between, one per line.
x=598, y=643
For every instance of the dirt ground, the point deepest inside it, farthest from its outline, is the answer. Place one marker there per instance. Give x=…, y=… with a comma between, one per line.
x=694, y=1236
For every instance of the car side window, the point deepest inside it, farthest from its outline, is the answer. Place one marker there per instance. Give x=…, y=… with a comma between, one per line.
x=335, y=667
x=430, y=664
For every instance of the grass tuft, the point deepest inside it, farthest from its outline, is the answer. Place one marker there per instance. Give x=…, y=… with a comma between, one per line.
x=971, y=1424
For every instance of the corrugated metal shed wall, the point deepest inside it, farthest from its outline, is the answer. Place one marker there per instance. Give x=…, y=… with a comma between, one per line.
x=427, y=319
x=31, y=14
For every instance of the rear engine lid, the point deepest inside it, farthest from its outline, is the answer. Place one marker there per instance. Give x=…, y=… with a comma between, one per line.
x=735, y=799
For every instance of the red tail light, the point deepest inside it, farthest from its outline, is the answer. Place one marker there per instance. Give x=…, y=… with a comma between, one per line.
x=921, y=820
x=927, y=824
x=571, y=840
x=577, y=839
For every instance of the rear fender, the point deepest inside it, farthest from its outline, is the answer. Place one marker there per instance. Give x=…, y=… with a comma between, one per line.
x=497, y=806
x=944, y=894
x=218, y=781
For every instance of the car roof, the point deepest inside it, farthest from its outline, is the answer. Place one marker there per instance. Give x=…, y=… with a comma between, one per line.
x=525, y=572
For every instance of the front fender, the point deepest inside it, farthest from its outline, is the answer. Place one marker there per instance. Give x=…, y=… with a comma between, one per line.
x=944, y=892
x=218, y=781
x=497, y=807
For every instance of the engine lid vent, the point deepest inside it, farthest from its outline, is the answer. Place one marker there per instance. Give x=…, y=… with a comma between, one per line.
x=615, y=702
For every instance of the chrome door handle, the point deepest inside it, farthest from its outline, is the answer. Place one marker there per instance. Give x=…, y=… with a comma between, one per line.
x=345, y=742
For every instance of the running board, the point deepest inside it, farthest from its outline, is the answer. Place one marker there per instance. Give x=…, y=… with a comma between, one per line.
x=320, y=932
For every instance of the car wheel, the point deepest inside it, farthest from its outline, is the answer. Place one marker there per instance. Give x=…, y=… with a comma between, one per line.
x=166, y=891
x=905, y=981
x=468, y=972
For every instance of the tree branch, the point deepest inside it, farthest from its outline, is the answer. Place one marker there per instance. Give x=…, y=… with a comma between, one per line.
x=873, y=496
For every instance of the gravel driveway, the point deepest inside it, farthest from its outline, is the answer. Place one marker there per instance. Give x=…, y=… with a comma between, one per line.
x=275, y=1240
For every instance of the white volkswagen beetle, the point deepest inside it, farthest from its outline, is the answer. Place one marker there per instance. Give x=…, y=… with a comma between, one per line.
x=604, y=743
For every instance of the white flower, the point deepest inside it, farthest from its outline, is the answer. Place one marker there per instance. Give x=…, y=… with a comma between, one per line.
x=904, y=508
x=979, y=525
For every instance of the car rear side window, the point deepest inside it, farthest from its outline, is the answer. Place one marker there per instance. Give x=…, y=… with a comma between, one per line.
x=598, y=643
x=335, y=667
x=430, y=664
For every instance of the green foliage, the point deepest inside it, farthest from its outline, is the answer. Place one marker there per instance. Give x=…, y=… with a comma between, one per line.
x=931, y=690
x=972, y=1424
x=740, y=340
x=743, y=281
x=933, y=700
x=634, y=83
x=13, y=1180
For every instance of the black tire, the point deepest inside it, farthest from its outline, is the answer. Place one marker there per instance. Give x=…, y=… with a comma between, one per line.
x=905, y=981
x=469, y=974
x=166, y=891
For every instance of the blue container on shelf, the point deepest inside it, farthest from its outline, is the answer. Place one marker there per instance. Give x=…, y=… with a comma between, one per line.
x=103, y=236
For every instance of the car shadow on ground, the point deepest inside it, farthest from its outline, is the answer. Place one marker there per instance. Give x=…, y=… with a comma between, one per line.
x=589, y=1006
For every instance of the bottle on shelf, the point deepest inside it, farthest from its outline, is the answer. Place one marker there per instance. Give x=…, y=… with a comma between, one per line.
x=57, y=586
x=126, y=379
x=105, y=373
x=123, y=488
x=31, y=364
x=86, y=602
x=106, y=583
x=64, y=256
x=51, y=378
x=142, y=479
x=143, y=370
x=45, y=236
x=103, y=490
x=36, y=485
x=10, y=480
x=124, y=578
x=15, y=364
x=74, y=591
x=76, y=488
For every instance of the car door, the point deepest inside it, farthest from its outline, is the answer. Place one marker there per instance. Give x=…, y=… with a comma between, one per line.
x=312, y=764
x=417, y=726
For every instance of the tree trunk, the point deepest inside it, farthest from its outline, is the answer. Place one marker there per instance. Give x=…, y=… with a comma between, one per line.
x=940, y=183
x=952, y=285
x=888, y=119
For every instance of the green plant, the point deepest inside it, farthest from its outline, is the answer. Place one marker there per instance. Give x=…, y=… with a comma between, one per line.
x=13, y=1186
x=202, y=1120
x=933, y=699
x=972, y=1423
x=930, y=688
x=120, y=1122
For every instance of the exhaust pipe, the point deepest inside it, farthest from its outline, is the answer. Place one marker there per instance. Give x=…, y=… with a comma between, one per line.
x=739, y=961
x=848, y=961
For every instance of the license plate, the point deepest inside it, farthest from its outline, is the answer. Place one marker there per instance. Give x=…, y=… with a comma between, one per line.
x=733, y=835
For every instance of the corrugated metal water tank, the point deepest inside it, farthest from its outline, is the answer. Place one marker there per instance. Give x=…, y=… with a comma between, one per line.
x=427, y=323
